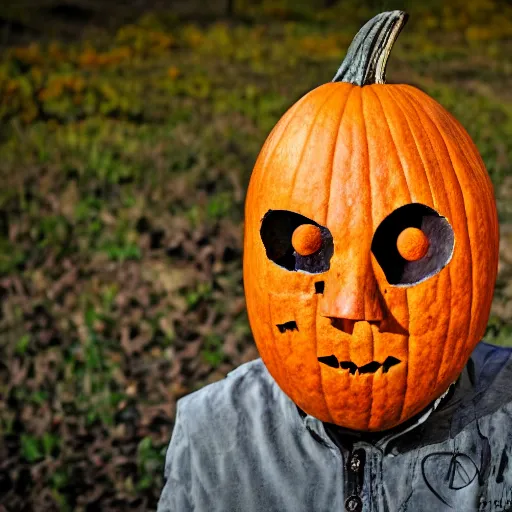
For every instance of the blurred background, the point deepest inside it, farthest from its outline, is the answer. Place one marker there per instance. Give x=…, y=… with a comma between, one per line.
x=128, y=131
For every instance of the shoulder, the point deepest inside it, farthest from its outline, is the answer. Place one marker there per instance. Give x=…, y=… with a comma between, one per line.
x=237, y=385
x=247, y=395
x=490, y=370
x=491, y=365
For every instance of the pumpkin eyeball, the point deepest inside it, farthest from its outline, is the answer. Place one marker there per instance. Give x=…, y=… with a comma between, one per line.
x=412, y=244
x=307, y=239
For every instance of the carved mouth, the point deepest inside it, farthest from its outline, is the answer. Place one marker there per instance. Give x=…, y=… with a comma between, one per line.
x=372, y=367
x=287, y=326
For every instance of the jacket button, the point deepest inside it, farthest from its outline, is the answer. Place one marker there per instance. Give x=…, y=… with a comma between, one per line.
x=353, y=504
x=355, y=463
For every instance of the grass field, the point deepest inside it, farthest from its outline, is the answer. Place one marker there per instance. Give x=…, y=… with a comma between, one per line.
x=125, y=151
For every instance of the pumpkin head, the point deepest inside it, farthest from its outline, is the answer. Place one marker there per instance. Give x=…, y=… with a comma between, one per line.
x=371, y=242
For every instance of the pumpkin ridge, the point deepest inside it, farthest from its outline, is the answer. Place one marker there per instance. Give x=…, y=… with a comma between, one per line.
x=486, y=184
x=449, y=118
x=392, y=140
x=277, y=367
x=393, y=97
x=408, y=100
x=343, y=109
x=333, y=155
x=427, y=114
x=402, y=407
x=264, y=170
x=481, y=176
x=306, y=141
x=397, y=99
x=466, y=140
x=369, y=422
x=477, y=164
x=463, y=136
x=275, y=344
x=270, y=153
x=371, y=234
x=449, y=276
x=319, y=366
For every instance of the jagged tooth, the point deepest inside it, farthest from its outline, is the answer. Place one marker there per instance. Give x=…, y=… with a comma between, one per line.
x=331, y=361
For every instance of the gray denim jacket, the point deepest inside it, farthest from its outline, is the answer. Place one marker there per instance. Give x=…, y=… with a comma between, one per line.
x=241, y=445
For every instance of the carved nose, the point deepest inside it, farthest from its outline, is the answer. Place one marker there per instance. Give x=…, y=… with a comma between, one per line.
x=352, y=298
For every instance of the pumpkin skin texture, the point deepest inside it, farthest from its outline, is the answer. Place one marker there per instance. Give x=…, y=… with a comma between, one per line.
x=347, y=156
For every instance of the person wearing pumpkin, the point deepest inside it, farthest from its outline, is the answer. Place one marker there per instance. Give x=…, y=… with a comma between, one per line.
x=370, y=257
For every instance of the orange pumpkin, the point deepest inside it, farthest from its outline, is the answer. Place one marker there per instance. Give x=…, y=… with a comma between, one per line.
x=357, y=333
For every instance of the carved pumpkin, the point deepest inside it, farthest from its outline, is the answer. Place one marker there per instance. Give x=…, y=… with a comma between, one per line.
x=371, y=242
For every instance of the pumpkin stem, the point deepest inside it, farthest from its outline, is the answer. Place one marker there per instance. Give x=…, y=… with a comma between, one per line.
x=367, y=56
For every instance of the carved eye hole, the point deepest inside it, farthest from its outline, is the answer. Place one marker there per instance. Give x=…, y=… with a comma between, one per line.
x=412, y=244
x=295, y=242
